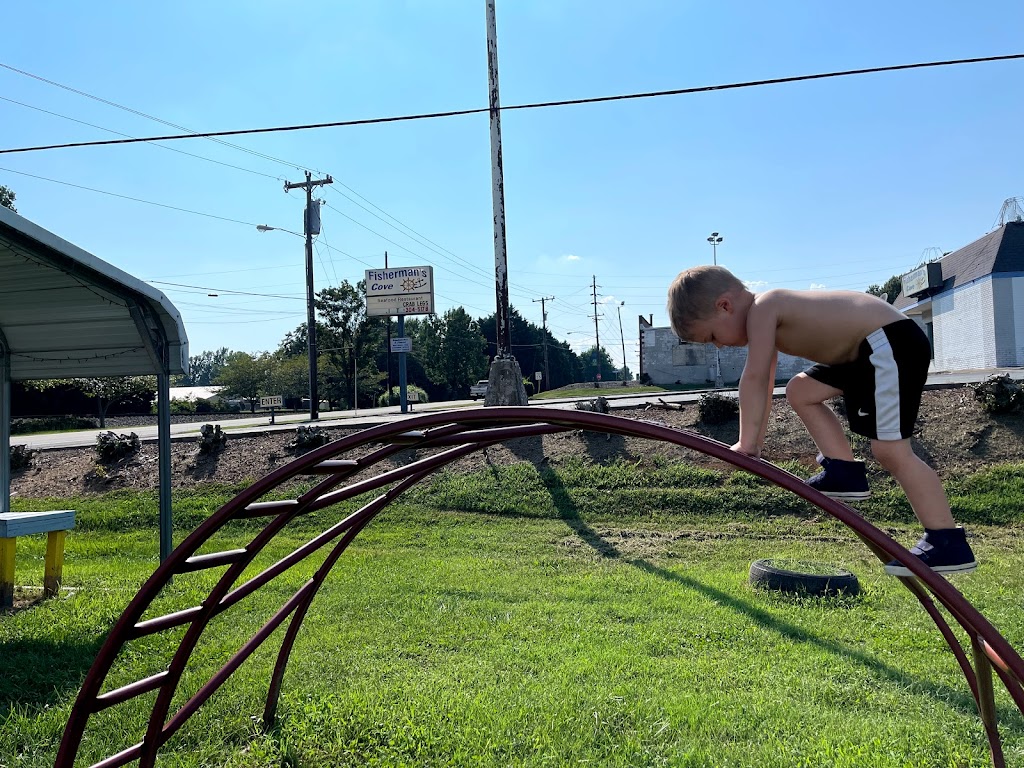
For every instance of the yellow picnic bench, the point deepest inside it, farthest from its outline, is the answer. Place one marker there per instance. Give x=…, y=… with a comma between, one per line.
x=55, y=525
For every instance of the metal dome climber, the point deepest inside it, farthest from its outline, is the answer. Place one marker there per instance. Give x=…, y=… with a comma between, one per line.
x=441, y=438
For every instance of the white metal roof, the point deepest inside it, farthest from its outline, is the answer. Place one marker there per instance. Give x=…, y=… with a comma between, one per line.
x=65, y=313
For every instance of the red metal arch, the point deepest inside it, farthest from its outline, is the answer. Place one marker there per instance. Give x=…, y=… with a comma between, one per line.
x=443, y=438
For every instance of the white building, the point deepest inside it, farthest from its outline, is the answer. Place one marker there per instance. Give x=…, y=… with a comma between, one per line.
x=971, y=302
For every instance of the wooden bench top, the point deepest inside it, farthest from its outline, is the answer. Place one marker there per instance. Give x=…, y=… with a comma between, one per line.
x=14, y=524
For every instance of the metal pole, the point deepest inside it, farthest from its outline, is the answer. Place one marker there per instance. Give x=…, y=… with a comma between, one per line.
x=622, y=338
x=402, y=398
x=502, y=327
x=715, y=239
x=163, y=431
x=5, y=427
x=389, y=339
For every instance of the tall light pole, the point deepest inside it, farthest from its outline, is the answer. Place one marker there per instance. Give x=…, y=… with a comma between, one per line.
x=715, y=239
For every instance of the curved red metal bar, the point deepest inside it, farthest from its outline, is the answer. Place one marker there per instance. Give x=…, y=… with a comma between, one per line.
x=447, y=436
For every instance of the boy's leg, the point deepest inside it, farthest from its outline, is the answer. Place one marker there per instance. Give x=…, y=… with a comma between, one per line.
x=918, y=480
x=944, y=547
x=807, y=397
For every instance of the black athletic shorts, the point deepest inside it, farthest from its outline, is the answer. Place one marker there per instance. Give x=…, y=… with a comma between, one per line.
x=882, y=387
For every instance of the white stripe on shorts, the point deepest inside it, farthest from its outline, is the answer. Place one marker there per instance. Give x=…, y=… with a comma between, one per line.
x=887, y=387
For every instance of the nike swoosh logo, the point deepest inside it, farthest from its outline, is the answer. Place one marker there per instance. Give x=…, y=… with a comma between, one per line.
x=861, y=413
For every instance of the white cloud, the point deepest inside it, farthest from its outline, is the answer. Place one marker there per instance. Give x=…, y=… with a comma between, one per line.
x=755, y=285
x=818, y=287
x=572, y=257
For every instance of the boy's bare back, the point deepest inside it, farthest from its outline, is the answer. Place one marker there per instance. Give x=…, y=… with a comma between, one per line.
x=822, y=326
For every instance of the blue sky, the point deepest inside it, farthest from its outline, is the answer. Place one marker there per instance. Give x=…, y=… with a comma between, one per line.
x=837, y=183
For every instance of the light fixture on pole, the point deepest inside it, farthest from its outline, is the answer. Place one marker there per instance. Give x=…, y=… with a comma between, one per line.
x=716, y=239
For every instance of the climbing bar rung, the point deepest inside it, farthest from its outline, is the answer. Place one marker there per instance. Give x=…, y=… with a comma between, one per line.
x=123, y=757
x=150, y=626
x=332, y=466
x=130, y=691
x=268, y=508
x=212, y=560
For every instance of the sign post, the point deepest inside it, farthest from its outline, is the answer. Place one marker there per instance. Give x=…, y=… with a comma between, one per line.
x=400, y=291
x=272, y=402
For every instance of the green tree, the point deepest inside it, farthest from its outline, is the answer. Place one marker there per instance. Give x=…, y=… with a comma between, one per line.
x=205, y=367
x=7, y=198
x=107, y=390
x=247, y=376
x=455, y=351
x=890, y=288
x=596, y=361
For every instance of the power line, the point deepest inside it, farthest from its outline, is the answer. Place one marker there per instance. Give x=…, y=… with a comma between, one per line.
x=480, y=110
x=143, y=114
x=161, y=146
x=129, y=197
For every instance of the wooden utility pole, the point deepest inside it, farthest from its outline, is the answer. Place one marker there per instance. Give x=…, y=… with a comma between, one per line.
x=505, y=383
x=544, y=324
x=312, y=222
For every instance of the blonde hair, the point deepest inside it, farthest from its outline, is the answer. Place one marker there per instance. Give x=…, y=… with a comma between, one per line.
x=692, y=295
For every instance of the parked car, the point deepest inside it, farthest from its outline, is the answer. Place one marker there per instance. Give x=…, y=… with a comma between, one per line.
x=479, y=389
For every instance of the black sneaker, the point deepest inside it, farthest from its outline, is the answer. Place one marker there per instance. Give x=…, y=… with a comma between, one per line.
x=841, y=479
x=944, y=551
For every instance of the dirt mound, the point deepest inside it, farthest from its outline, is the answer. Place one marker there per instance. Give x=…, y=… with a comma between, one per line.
x=953, y=433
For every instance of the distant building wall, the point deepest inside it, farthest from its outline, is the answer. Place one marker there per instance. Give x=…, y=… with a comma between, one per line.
x=977, y=325
x=669, y=362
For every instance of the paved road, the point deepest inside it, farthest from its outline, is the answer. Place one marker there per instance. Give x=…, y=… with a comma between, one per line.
x=366, y=417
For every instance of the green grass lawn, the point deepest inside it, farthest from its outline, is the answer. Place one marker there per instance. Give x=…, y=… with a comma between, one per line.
x=578, y=616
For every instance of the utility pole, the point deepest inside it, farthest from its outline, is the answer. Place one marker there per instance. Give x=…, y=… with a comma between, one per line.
x=311, y=223
x=506, y=378
x=597, y=333
x=544, y=323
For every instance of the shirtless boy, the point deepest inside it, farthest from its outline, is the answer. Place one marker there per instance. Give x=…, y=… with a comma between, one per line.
x=867, y=351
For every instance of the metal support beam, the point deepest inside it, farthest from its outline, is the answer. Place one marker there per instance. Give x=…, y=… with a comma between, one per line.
x=5, y=425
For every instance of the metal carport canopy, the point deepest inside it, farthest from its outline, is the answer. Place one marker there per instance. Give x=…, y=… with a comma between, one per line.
x=65, y=313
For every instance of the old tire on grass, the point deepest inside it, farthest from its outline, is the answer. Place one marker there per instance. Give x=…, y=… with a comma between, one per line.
x=803, y=578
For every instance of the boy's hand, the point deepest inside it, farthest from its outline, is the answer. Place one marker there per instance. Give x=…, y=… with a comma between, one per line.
x=755, y=452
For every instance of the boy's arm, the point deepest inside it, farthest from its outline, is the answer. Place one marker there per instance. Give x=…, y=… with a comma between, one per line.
x=758, y=378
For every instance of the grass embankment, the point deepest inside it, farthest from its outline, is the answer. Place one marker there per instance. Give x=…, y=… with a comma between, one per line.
x=578, y=615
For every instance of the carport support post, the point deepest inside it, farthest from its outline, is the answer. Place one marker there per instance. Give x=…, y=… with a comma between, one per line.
x=163, y=420
x=5, y=428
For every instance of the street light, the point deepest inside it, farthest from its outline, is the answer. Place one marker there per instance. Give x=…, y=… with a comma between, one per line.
x=622, y=339
x=314, y=396
x=715, y=239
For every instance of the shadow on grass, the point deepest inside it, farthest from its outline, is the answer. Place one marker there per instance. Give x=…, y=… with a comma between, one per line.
x=961, y=700
x=41, y=673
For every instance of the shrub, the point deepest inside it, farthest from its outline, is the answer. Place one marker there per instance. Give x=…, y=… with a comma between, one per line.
x=382, y=400
x=111, y=447
x=51, y=424
x=598, y=405
x=308, y=438
x=529, y=387
x=999, y=394
x=21, y=457
x=713, y=408
x=211, y=438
